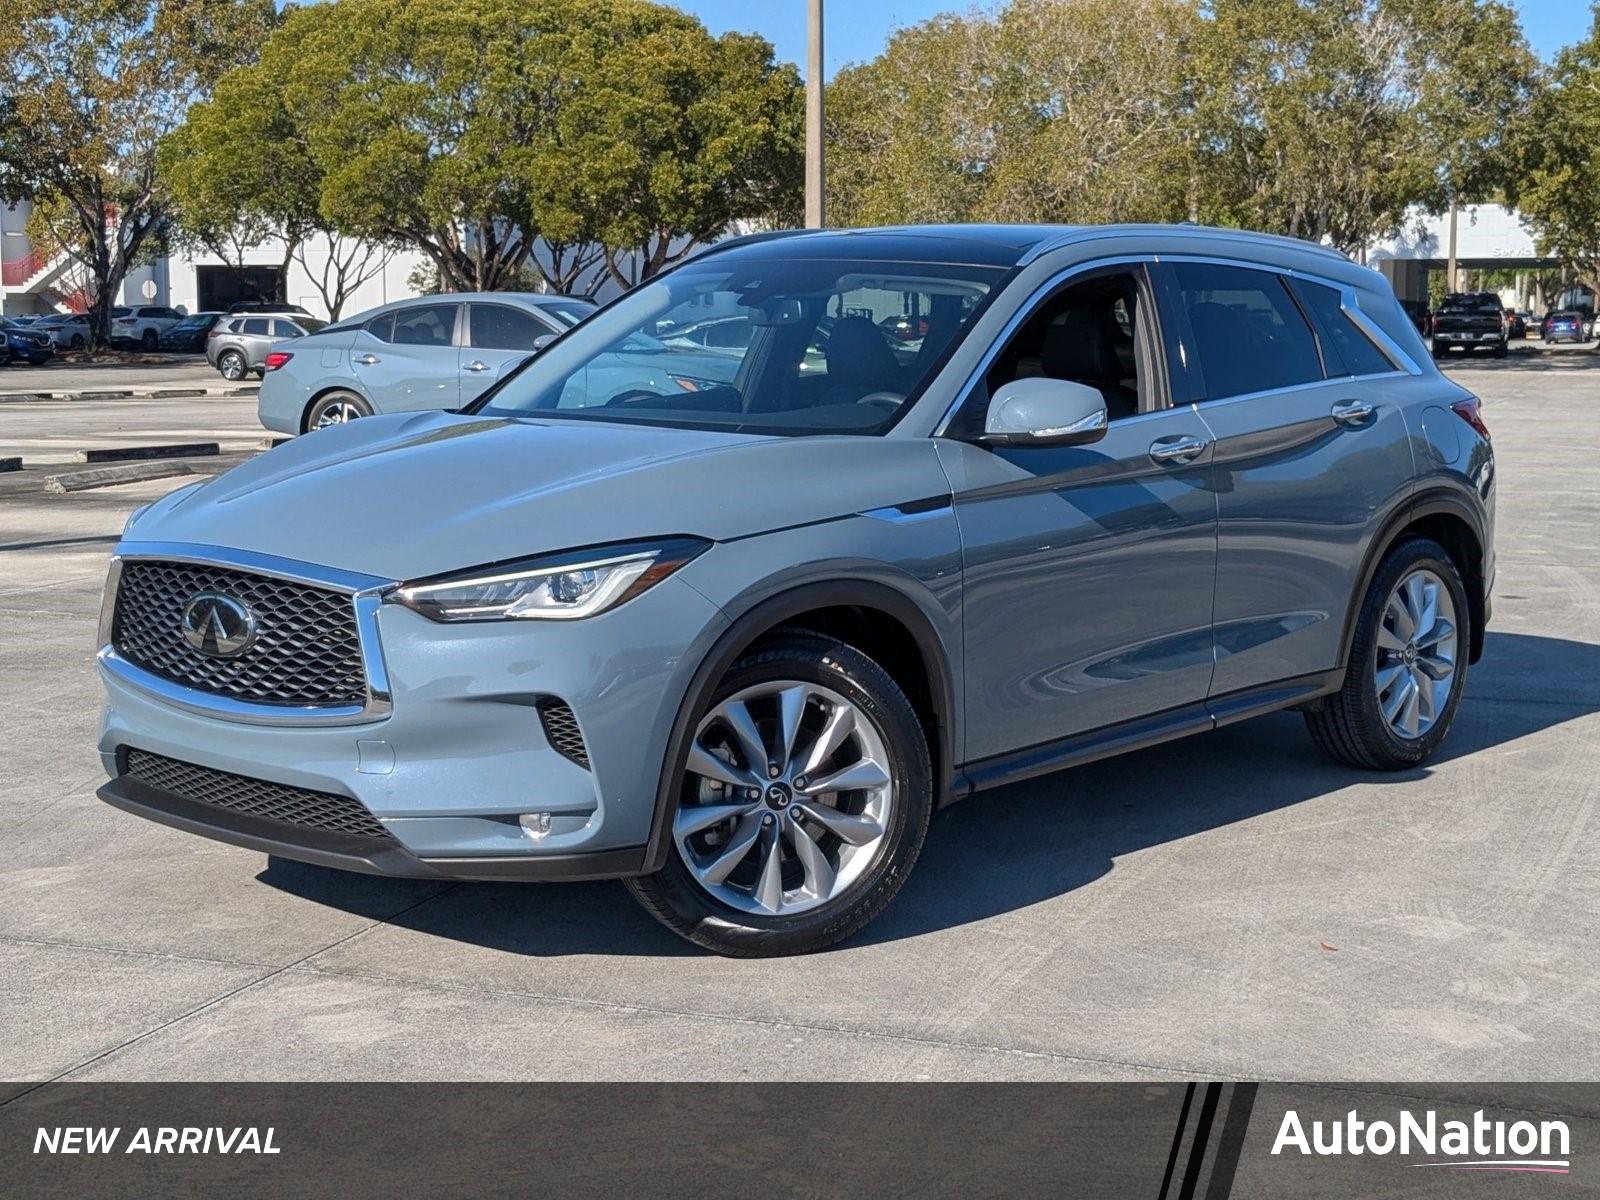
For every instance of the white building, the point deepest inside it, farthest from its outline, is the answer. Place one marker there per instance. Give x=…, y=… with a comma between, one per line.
x=1489, y=237
x=34, y=279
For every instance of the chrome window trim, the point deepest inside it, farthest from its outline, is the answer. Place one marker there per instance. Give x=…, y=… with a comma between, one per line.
x=366, y=596
x=1022, y=313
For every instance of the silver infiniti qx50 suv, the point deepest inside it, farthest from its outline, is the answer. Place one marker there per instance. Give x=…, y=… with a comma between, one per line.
x=969, y=504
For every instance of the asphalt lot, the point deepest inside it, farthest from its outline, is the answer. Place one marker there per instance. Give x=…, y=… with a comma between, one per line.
x=1228, y=906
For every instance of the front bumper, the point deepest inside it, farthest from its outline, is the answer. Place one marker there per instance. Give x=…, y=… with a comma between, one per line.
x=455, y=753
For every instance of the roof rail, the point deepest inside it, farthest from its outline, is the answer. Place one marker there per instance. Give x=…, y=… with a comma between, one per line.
x=1084, y=233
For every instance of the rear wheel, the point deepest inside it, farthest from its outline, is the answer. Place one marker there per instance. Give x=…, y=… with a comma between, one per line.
x=1407, y=664
x=804, y=802
x=149, y=341
x=336, y=408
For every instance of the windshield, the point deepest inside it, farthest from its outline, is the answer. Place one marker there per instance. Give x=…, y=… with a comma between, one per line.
x=764, y=345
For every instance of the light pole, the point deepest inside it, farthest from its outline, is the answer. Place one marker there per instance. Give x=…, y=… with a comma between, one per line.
x=814, y=80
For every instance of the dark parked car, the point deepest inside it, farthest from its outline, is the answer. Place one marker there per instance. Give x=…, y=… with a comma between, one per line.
x=18, y=343
x=1516, y=326
x=1470, y=320
x=188, y=336
x=1564, y=326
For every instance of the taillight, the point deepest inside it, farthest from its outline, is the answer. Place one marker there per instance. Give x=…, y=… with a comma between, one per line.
x=1436, y=323
x=214, y=333
x=1470, y=410
x=276, y=359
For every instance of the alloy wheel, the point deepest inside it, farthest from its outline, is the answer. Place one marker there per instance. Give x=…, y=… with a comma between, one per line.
x=338, y=413
x=787, y=798
x=232, y=366
x=1416, y=654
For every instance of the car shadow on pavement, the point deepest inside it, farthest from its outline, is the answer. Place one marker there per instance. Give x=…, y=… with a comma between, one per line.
x=1021, y=845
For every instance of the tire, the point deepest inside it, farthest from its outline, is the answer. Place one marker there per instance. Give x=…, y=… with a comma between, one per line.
x=231, y=365
x=77, y=341
x=1501, y=349
x=1351, y=725
x=336, y=408
x=862, y=877
x=149, y=341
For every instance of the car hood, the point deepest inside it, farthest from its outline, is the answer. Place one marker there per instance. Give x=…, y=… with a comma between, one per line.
x=409, y=495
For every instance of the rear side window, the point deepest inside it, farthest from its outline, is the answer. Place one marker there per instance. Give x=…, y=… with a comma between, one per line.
x=1249, y=335
x=426, y=325
x=382, y=327
x=500, y=327
x=259, y=326
x=1347, y=348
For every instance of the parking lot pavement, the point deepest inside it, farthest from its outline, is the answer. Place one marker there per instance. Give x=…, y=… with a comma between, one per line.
x=182, y=371
x=46, y=433
x=1228, y=906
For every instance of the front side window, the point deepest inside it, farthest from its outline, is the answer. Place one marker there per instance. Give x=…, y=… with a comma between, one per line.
x=500, y=327
x=762, y=344
x=1249, y=335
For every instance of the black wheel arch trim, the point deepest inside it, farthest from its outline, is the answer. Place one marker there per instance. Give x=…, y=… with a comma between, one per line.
x=770, y=614
x=1432, y=501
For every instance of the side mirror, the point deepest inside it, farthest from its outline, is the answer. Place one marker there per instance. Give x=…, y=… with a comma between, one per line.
x=1044, y=412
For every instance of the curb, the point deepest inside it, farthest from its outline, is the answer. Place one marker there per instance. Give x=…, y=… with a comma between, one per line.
x=127, y=453
x=171, y=393
x=80, y=481
x=112, y=395
x=10, y=464
x=272, y=443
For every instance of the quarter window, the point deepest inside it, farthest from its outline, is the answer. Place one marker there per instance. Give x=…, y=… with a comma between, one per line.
x=1248, y=334
x=1348, y=349
x=500, y=327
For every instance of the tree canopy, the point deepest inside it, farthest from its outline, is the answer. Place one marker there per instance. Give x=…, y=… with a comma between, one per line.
x=1324, y=119
x=92, y=86
x=569, y=136
x=1558, y=190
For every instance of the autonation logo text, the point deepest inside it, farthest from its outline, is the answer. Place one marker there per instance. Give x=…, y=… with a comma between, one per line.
x=1480, y=1144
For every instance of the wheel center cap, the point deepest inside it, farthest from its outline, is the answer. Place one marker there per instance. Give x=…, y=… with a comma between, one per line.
x=1409, y=653
x=778, y=796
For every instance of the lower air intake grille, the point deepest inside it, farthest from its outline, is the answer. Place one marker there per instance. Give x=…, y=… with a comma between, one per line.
x=254, y=797
x=561, y=729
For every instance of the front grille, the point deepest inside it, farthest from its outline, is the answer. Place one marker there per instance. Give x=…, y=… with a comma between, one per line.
x=561, y=730
x=307, y=650
x=253, y=797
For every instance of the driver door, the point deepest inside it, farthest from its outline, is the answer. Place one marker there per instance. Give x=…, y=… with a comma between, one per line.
x=1089, y=570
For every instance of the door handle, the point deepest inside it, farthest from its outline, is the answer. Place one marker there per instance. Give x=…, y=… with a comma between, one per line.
x=476, y=365
x=365, y=360
x=1177, y=450
x=1352, y=412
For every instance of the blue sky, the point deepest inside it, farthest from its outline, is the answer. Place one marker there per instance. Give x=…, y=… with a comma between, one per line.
x=856, y=30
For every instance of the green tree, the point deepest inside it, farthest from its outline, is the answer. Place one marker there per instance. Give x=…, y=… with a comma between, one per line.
x=241, y=174
x=496, y=136
x=1558, y=189
x=92, y=87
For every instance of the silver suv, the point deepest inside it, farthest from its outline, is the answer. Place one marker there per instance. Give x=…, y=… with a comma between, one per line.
x=242, y=343
x=974, y=504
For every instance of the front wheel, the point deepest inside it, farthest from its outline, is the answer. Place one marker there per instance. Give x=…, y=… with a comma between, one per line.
x=231, y=364
x=149, y=341
x=805, y=797
x=1407, y=664
x=1501, y=349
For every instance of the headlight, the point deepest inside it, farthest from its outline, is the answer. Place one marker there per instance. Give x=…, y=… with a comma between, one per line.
x=561, y=587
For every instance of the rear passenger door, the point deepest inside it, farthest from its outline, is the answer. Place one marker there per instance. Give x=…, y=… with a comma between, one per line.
x=1310, y=453
x=409, y=359
x=499, y=336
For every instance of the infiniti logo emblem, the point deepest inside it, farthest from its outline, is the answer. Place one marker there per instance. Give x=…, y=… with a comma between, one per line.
x=218, y=625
